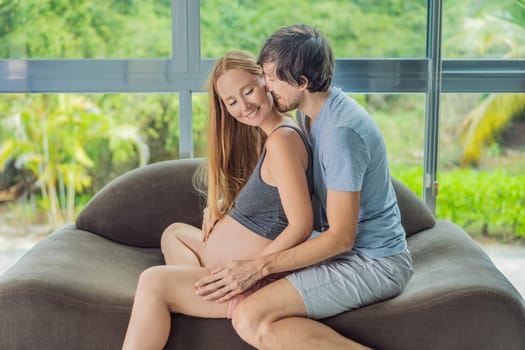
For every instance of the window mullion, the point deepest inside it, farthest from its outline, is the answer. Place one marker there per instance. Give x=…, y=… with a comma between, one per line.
x=430, y=184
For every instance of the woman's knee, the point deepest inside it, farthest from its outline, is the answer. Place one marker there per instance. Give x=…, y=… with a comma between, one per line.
x=150, y=281
x=170, y=233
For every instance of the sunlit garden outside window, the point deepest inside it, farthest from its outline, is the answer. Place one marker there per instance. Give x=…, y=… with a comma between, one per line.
x=57, y=150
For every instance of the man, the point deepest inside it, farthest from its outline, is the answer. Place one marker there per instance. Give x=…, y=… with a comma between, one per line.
x=360, y=256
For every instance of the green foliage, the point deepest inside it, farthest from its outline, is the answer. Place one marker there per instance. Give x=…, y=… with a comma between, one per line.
x=410, y=176
x=85, y=29
x=354, y=28
x=156, y=116
x=489, y=29
x=490, y=202
x=401, y=119
x=200, y=123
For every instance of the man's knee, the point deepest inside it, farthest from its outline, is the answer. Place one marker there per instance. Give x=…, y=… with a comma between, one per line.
x=241, y=318
x=249, y=324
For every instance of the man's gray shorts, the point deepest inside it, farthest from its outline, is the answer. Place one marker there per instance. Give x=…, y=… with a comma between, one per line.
x=350, y=281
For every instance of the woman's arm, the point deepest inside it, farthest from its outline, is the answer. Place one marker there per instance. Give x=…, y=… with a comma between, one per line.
x=285, y=167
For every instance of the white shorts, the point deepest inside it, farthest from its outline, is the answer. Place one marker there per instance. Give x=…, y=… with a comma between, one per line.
x=350, y=281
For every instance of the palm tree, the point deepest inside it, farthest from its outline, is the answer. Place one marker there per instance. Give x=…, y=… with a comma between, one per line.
x=485, y=121
x=503, y=31
x=48, y=136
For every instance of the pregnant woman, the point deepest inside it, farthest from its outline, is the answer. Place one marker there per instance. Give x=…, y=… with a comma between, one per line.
x=259, y=185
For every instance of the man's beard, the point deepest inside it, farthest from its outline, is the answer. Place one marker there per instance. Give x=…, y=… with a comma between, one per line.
x=285, y=108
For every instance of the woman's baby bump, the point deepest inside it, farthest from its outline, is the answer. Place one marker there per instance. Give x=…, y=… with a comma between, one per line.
x=231, y=241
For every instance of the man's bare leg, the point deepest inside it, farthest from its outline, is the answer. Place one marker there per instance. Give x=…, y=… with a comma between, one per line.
x=267, y=322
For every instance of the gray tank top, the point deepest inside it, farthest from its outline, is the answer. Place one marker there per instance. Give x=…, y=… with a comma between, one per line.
x=258, y=206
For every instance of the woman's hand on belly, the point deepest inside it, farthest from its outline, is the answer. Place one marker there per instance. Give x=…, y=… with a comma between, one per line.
x=231, y=241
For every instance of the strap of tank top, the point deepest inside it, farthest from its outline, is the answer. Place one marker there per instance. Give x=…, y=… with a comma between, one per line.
x=303, y=137
x=297, y=129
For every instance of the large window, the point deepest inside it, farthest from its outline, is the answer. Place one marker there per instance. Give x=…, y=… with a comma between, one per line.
x=422, y=68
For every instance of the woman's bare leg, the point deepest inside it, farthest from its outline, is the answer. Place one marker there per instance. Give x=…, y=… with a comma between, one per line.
x=181, y=244
x=162, y=290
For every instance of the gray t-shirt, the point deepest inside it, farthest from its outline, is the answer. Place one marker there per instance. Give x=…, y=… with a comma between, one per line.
x=349, y=154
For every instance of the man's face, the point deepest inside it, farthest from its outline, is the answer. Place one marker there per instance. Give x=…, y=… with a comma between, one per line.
x=286, y=97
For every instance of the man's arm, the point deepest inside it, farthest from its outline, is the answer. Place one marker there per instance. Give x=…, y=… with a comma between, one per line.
x=342, y=214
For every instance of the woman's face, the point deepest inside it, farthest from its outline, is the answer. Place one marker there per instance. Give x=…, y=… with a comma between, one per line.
x=245, y=96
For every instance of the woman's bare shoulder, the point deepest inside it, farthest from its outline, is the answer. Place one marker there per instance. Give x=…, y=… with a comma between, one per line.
x=285, y=136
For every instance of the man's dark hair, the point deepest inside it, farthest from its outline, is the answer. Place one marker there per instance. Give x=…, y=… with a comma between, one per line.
x=300, y=51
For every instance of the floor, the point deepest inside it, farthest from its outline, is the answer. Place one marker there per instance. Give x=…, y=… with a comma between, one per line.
x=11, y=249
x=510, y=260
